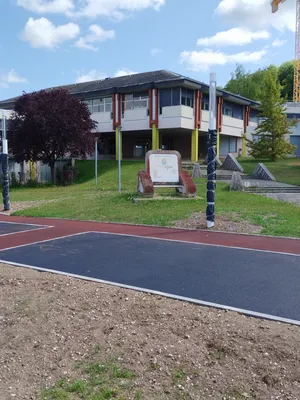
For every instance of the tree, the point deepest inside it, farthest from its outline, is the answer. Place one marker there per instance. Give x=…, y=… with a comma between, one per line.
x=248, y=84
x=286, y=79
x=49, y=125
x=270, y=135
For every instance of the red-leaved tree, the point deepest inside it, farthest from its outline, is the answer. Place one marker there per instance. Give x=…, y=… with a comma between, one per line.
x=48, y=125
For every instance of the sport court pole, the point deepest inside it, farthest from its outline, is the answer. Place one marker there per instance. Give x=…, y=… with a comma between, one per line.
x=119, y=158
x=211, y=156
x=96, y=160
x=4, y=159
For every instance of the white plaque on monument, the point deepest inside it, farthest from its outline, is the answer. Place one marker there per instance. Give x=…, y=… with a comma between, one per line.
x=164, y=168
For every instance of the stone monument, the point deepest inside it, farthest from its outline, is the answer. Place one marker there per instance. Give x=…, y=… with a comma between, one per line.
x=164, y=170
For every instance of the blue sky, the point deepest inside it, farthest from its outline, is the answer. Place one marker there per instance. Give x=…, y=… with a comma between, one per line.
x=46, y=43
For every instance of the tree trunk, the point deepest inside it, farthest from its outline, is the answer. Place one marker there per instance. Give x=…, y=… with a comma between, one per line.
x=53, y=177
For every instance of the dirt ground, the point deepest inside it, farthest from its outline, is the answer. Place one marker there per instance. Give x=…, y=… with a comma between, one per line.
x=231, y=223
x=175, y=350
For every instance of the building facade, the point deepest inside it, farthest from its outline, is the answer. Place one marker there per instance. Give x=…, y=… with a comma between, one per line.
x=161, y=110
x=293, y=111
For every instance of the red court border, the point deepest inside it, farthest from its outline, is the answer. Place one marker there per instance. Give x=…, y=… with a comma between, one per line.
x=63, y=227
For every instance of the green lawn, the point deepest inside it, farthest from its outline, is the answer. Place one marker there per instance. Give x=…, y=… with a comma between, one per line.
x=103, y=203
x=286, y=170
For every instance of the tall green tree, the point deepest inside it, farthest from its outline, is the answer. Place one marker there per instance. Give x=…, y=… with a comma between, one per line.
x=250, y=84
x=245, y=83
x=286, y=79
x=269, y=140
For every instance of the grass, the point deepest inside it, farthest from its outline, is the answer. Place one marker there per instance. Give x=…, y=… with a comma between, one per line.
x=285, y=170
x=85, y=201
x=98, y=381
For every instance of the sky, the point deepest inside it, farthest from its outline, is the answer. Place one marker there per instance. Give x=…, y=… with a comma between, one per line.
x=46, y=43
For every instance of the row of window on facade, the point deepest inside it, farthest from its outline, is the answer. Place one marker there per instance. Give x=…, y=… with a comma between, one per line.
x=167, y=98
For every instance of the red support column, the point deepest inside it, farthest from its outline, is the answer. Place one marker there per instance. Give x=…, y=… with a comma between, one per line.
x=120, y=108
x=219, y=114
x=114, y=110
x=156, y=108
x=150, y=108
x=200, y=109
x=196, y=109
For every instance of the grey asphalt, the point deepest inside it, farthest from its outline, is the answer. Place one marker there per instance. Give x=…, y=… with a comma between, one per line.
x=261, y=282
x=6, y=228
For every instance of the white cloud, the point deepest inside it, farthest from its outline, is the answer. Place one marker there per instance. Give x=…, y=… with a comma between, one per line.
x=124, y=72
x=155, y=51
x=233, y=37
x=203, y=60
x=45, y=6
x=96, y=35
x=257, y=13
x=94, y=75
x=11, y=77
x=278, y=43
x=42, y=33
x=117, y=9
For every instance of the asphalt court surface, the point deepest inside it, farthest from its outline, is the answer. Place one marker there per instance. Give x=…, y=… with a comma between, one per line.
x=261, y=282
x=7, y=228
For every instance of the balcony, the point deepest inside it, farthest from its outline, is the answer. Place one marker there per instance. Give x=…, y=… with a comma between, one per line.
x=135, y=113
x=232, y=126
x=204, y=121
x=104, y=121
x=176, y=117
x=137, y=119
x=251, y=127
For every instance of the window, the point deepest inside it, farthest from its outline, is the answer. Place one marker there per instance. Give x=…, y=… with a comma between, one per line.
x=135, y=100
x=89, y=103
x=232, y=145
x=187, y=97
x=228, y=111
x=205, y=105
x=99, y=105
x=169, y=97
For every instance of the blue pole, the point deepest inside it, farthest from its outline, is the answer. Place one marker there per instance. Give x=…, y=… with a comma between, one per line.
x=4, y=160
x=212, y=152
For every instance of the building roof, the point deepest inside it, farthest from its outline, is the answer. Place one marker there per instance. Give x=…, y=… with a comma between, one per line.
x=136, y=82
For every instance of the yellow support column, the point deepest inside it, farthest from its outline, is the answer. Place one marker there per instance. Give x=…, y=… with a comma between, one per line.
x=195, y=145
x=155, y=138
x=218, y=145
x=244, y=147
x=117, y=144
x=31, y=171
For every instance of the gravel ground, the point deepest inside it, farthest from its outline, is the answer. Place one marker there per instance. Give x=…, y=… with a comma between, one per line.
x=22, y=205
x=177, y=350
x=231, y=223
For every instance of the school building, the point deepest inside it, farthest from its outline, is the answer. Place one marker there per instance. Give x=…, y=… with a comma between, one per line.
x=162, y=110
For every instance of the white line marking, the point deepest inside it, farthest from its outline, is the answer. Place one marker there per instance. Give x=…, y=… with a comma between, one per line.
x=26, y=230
x=197, y=243
x=159, y=239
x=158, y=293
x=20, y=223
x=42, y=241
